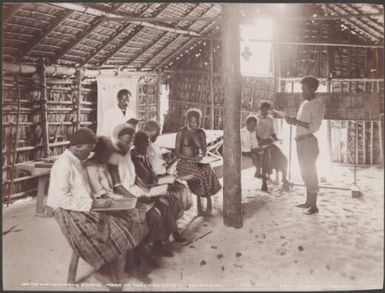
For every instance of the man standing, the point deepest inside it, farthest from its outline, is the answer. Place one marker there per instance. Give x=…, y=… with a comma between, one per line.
x=119, y=113
x=308, y=121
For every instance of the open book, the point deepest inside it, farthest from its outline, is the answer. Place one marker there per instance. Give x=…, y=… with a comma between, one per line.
x=207, y=160
x=166, y=179
x=119, y=204
x=157, y=190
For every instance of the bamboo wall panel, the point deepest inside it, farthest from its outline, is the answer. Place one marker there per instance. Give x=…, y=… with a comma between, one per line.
x=61, y=120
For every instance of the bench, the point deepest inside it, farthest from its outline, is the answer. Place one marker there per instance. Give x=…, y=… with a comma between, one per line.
x=42, y=173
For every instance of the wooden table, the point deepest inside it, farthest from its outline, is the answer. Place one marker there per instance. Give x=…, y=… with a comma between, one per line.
x=42, y=185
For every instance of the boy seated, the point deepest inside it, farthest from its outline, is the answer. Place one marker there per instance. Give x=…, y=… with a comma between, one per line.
x=250, y=148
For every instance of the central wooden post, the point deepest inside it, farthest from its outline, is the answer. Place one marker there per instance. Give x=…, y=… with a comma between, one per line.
x=232, y=210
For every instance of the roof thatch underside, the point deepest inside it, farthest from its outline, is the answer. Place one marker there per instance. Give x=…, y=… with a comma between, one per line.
x=79, y=38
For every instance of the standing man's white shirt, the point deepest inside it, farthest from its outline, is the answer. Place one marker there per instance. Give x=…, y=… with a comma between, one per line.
x=69, y=186
x=312, y=112
x=113, y=117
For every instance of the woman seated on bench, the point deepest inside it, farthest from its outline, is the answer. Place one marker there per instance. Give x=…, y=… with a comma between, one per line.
x=126, y=183
x=190, y=140
x=70, y=195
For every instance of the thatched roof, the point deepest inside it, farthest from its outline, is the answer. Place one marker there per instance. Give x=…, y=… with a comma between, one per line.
x=96, y=36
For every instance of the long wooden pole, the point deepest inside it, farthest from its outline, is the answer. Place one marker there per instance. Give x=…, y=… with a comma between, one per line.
x=232, y=209
x=212, y=102
x=78, y=80
x=44, y=99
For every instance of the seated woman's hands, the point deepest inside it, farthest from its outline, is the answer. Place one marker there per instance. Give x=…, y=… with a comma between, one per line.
x=102, y=203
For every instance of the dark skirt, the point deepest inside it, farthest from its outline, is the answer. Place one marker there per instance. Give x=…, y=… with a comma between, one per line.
x=278, y=159
x=205, y=182
x=122, y=231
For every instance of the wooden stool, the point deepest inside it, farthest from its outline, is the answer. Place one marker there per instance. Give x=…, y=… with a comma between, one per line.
x=73, y=268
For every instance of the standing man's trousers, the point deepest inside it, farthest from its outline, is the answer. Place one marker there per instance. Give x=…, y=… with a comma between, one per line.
x=307, y=151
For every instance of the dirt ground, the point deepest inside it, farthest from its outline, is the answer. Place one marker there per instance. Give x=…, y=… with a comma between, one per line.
x=278, y=248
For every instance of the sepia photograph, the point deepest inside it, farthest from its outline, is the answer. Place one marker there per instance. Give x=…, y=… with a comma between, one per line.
x=192, y=146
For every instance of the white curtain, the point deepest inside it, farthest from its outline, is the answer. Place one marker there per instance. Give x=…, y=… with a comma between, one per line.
x=108, y=88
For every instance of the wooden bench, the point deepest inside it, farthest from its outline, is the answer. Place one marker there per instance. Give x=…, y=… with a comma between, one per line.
x=42, y=186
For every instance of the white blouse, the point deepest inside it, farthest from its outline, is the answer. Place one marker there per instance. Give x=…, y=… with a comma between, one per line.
x=69, y=186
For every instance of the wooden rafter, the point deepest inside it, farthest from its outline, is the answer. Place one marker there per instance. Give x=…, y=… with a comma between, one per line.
x=43, y=34
x=185, y=46
x=354, y=25
x=160, y=37
x=126, y=39
x=154, y=57
x=113, y=37
x=362, y=25
x=84, y=35
x=11, y=11
x=372, y=23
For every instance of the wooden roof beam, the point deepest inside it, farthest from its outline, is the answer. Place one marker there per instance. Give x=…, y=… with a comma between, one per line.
x=185, y=46
x=159, y=38
x=371, y=22
x=103, y=13
x=154, y=57
x=127, y=38
x=361, y=27
x=84, y=35
x=11, y=11
x=115, y=35
x=43, y=34
x=354, y=26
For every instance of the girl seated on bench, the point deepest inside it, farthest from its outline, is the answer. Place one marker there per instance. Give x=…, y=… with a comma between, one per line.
x=190, y=148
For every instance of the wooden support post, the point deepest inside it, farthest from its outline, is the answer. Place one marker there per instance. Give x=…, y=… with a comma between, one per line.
x=232, y=209
x=212, y=102
x=158, y=93
x=78, y=97
x=371, y=142
x=364, y=140
x=380, y=137
x=44, y=110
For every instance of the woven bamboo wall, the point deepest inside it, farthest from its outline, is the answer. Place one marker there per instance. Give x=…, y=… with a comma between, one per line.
x=192, y=90
x=60, y=104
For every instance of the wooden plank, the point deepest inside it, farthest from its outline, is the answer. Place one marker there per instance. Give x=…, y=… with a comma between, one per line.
x=232, y=209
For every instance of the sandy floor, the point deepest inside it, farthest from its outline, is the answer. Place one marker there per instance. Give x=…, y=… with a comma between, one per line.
x=278, y=248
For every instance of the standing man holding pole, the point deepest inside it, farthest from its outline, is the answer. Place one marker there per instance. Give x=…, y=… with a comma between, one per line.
x=308, y=121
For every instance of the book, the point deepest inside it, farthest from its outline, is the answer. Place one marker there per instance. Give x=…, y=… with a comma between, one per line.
x=207, y=160
x=166, y=179
x=119, y=204
x=157, y=190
